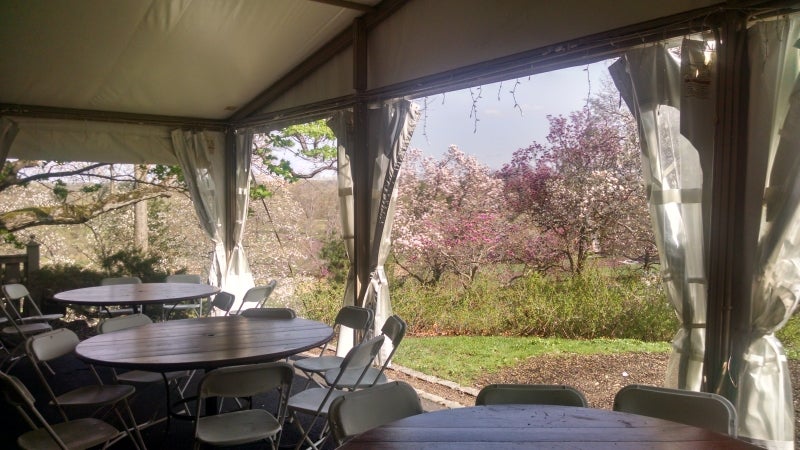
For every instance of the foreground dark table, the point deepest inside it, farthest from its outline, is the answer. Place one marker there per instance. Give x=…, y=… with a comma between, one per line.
x=135, y=294
x=538, y=426
x=205, y=343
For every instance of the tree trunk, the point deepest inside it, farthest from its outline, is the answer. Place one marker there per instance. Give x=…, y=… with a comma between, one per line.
x=140, y=238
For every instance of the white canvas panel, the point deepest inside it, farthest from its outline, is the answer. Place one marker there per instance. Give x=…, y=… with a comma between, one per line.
x=75, y=140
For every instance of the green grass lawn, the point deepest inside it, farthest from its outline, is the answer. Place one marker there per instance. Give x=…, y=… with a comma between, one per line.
x=463, y=358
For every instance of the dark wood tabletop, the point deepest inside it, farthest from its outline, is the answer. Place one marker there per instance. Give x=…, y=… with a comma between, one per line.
x=135, y=294
x=538, y=426
x=205, y=343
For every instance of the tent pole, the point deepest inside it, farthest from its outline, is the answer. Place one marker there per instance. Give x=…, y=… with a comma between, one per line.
x=728, y=296
x=230, y=191
x=361, y=164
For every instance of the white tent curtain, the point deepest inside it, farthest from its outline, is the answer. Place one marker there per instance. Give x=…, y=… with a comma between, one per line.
x=8, y=131
x=392, y=126
x=759, y=381
x=649, y=80
x=239, y=277
x=343, y=127
x=201, y=157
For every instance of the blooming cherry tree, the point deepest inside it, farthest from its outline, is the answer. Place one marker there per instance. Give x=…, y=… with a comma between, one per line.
x=450, y=216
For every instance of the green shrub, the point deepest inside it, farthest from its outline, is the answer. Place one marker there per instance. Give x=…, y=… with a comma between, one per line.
x=790, y=337
x=319, y=299
x=608, y=303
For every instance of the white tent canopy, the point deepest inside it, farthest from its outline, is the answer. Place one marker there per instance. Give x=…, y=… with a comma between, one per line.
x=168, y=81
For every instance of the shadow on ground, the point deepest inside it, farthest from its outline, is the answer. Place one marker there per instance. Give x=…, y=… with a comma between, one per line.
x=71, y=373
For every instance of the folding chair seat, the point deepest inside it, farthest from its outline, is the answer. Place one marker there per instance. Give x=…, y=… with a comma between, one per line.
x=359, y=411
x=394, y=329
x=54, y=344
x=270, y=313
x=192, y=305
x=245, y=425
x=316, y=401
x=256, y=297
x=530, y=394
x=355, y=317
x=143, y=377
x=18, y=293
x=699, y=409
x=77, y=434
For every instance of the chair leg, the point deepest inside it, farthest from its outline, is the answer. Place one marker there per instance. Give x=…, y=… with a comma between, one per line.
x=131, y=430
x=306, y=433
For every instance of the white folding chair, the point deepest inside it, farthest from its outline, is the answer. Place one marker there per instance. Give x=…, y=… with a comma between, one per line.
x=699, y=409
x=355, y=317
x=13, y=335
x=530, y=394
x=57, y=343
x=77, y=434
x=192, y=305
x=394, y=329
x=256, y=297
x=18, y=293
x=247, y=425
x=359, y=411
x=316, y=401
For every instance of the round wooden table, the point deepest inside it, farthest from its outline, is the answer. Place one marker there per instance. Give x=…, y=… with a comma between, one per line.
x=135, y=294
x=206, y=343
x=538, y=426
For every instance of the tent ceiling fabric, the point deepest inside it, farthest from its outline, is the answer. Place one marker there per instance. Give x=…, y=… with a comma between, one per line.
x=205, y=59
x=183, y=58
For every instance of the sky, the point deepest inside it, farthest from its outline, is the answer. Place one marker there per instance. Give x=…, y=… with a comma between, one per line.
x=501, y=129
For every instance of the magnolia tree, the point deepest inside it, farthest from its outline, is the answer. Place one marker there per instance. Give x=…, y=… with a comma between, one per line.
x=450, y=216
x=582, y=190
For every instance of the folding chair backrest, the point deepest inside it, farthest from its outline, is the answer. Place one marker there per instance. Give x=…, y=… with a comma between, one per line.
x=18, y=395
x=246, y=380
x=270, y=313
x=184, y=278
x=395, y=329
x=359, y=411
x=256, y=297
x=52, y=344
x=15, y=392
x=122, y=322
x=354, y=317
x=15, y=291
x=224, y=301
x=699, y=409
x=265, y=293
x=18, y=292
x=360, y=358
x=531, y=394
x=109, y=281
